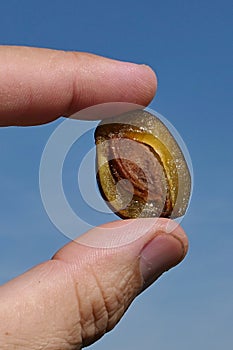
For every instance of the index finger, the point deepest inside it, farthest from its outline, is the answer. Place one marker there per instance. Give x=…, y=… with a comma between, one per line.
x=39, y=85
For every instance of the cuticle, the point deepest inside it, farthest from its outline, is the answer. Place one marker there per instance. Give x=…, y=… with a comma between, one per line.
x=184, y=250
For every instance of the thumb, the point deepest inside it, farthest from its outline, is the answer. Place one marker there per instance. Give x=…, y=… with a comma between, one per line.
x=72, y=300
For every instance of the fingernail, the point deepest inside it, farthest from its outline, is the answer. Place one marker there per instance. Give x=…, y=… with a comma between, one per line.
x=159, y=255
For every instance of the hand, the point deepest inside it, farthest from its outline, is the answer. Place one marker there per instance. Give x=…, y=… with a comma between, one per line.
x=71, y=300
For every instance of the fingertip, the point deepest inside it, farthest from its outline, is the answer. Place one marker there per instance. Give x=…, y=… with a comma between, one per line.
x=151, y=78
x=120, y=82
x=172, y=228
x=175, y=230
x=144, y=84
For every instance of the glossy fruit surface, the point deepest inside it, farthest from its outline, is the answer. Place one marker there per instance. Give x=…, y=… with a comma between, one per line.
x=141, y=170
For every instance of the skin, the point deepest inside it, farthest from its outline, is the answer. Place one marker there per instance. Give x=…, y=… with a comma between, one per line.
x=70, y=301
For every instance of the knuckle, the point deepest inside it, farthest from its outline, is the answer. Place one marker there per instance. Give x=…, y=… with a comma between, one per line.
x=102, y=300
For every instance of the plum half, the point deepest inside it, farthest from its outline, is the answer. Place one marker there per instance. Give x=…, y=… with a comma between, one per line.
x=141, y=170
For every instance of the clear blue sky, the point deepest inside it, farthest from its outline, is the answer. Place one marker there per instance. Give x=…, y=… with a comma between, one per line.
x=189, y=44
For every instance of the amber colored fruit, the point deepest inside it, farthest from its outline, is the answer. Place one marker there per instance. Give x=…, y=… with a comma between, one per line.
x=141, y=170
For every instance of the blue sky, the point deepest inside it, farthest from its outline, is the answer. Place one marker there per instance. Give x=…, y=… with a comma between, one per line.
x=189, y=45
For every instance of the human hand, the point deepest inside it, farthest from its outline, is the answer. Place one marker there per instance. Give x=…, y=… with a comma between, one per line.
x=71, y=300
